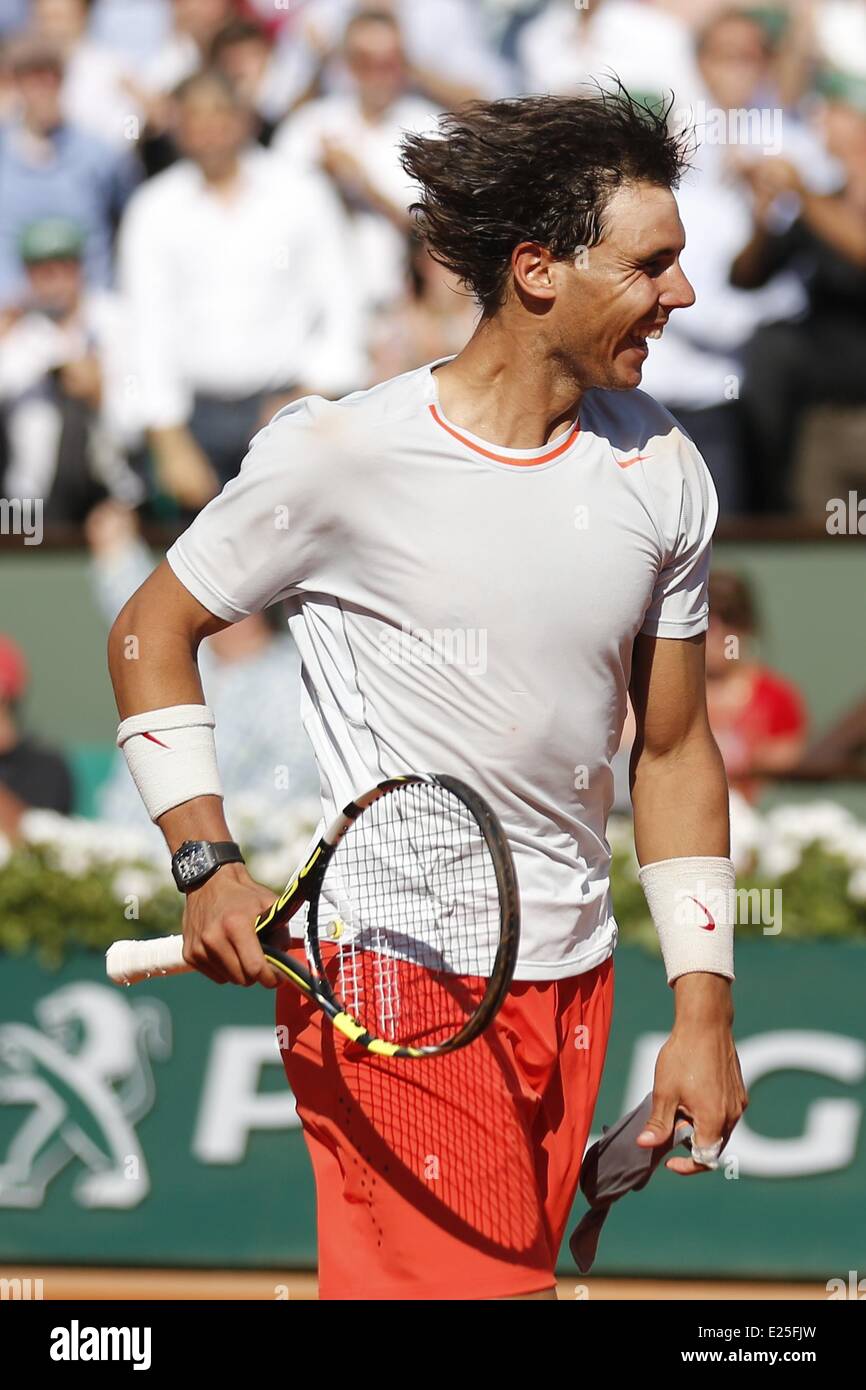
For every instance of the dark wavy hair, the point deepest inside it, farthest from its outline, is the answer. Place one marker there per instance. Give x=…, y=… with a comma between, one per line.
x=533, y=169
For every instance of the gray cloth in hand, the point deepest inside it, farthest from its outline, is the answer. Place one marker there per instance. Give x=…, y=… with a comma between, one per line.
x=614, y=1166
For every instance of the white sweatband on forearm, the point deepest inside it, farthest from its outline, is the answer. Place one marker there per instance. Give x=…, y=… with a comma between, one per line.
x=693, y=904
x=171, y=755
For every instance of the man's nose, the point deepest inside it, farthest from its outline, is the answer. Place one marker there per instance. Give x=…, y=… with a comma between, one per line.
x=678, y=292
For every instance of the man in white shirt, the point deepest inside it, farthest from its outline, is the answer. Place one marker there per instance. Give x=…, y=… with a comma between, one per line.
x=235, y=270
x=354, y=137
x=522, y=494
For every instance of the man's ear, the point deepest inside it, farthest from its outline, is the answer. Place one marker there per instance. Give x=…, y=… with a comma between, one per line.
x=531, y=265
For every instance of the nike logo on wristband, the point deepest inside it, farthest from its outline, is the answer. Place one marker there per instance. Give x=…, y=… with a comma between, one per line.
x=154, y=739
x=709, y=925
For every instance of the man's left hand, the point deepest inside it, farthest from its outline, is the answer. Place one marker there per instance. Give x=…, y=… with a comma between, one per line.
x=698, y=1072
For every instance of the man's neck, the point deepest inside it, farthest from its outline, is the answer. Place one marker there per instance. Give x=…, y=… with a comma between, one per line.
x=222, y=179
x=507, y=391
x=374, y=112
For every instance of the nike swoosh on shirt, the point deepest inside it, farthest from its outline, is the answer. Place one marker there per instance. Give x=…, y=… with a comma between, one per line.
x=709, y=925
x=638, y=458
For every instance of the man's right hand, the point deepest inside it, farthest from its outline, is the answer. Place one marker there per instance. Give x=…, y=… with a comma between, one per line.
x=218, y=936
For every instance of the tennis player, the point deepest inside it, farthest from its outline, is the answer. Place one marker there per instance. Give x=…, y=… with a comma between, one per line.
x=480, y=559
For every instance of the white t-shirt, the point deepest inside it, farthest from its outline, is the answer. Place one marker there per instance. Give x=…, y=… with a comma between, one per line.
x=469, y=609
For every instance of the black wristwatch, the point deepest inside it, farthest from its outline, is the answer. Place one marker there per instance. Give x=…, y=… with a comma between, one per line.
x=196, y=860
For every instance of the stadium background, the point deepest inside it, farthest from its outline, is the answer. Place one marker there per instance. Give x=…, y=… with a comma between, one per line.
x=86, y=428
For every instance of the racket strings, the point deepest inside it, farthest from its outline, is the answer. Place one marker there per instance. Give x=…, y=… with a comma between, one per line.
x=410, y=901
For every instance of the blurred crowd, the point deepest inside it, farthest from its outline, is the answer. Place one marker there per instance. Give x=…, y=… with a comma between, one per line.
x=203, y=215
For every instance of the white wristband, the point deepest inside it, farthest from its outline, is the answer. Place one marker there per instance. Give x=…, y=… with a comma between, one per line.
x=693, y=904
x=171, y=755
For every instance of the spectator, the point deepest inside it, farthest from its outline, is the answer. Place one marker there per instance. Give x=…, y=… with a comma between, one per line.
x=50, y=168
x=184, y=52
x=251, y=665
x=434, y=319
x=820, y=360
x=649, y=48
x=97, y=88
x=758, y=718
x=449, y=55
x=242, y=52
x=33, y=775
x=354, y=137
x=195, y=25
x=62, y=383
x=697, y=368
x=236, y=277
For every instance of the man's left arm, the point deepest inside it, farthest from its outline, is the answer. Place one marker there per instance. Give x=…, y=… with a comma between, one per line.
x=680, y=801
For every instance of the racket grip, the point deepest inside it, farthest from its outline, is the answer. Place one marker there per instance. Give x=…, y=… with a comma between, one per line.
x=127, y=962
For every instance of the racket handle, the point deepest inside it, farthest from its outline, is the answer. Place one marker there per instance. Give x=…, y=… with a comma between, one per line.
x=127, y=962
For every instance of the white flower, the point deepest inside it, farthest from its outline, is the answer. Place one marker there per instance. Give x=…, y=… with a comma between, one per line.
x=135, y=883
x=777, y=858
x=42, y=827
x=817, y=822
x=852, y=847
x=857, y=886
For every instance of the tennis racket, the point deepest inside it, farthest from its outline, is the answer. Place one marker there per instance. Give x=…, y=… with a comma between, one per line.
x=413, y=920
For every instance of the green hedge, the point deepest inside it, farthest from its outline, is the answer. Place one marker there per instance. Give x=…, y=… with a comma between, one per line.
x=49, y=911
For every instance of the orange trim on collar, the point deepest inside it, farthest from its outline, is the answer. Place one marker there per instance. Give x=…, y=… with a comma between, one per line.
x=506, y=458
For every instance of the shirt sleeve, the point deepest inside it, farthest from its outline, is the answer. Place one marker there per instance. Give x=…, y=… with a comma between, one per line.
x=687, y=511
x=271, y=531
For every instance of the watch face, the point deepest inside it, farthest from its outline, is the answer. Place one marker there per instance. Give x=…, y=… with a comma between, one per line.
x=194, y=861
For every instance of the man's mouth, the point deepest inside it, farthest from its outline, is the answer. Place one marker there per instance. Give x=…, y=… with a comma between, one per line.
x=640, y=336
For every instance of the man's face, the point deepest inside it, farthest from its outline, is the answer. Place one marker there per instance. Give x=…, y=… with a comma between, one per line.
x=374, y=57
x=210, y=129
x=38, y=90
x=734, y=61
x=60, y=20
x=55, y=285
x=622, y=290
x=244, y=64
x=722, y=655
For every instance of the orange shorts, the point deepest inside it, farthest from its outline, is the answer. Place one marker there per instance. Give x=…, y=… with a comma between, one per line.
x=450, y=1177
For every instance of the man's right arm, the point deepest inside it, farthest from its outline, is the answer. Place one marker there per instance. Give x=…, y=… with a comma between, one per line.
x=152, y=651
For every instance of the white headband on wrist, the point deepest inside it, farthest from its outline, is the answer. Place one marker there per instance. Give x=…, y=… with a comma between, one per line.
x=693, y=902
x=171, y=755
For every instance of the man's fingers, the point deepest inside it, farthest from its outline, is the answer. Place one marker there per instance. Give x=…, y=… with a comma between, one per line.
x=686, y=1167
x=659, y=1126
